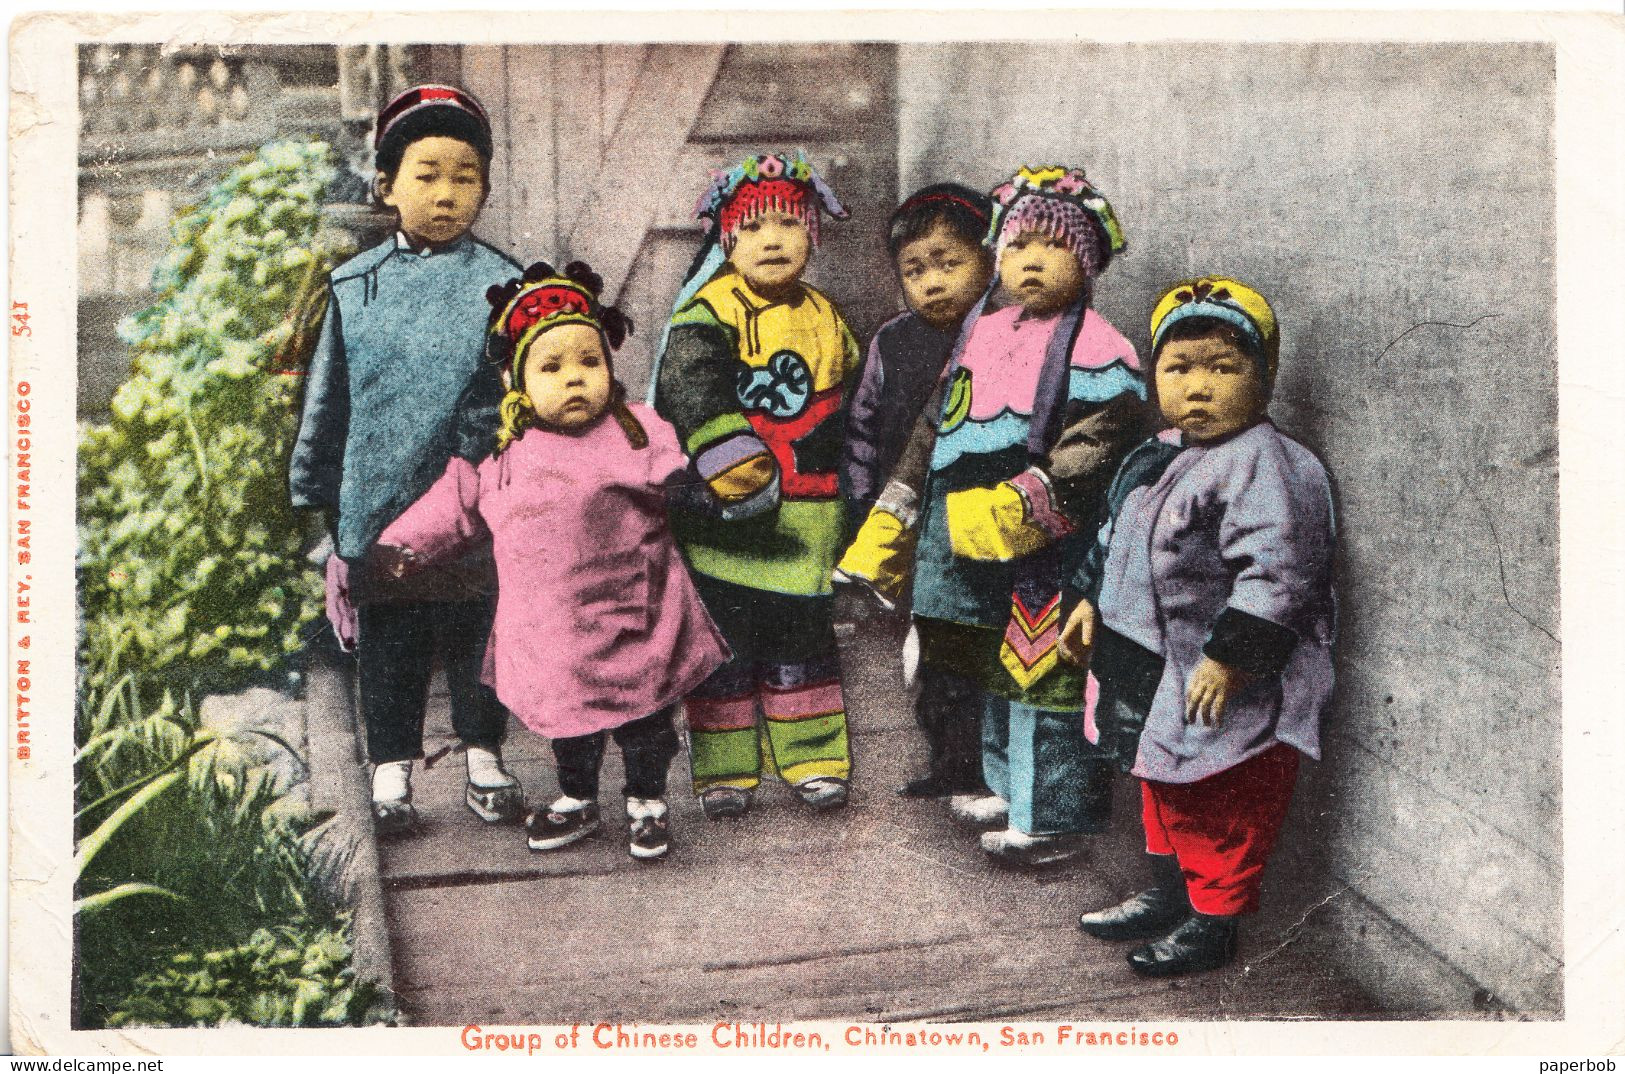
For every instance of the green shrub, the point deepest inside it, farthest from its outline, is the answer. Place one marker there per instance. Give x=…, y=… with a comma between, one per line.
x=191, y=565
x=280, y=977
x=176, y=852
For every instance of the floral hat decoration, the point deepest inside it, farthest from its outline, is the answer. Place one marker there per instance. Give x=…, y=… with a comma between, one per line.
x=766, y=183
x=1220, y=298
x=1059, y=202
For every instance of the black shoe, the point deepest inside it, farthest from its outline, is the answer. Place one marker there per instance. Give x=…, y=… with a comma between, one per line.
x=721, y=802
x=552, y=828
x=926, y=787
x=648, y=833
x=1201, y=943
x=1149, y=913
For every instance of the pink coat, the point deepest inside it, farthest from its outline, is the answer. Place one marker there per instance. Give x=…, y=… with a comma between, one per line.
x=597, y=622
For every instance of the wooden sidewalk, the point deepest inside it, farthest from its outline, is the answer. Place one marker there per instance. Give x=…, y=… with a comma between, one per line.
x=884, y=912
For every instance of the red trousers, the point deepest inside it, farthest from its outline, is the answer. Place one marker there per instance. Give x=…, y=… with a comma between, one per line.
x=1222, y=828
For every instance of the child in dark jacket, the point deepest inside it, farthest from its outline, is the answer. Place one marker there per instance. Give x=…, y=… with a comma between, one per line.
x=398, y=386
x=1208, y=630
x=935, y=239
x=997, y=495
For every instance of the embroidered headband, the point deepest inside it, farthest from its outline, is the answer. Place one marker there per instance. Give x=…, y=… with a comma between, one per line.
x=1059, y=202
x=426, y=110
x=543, y=298
x=1221, y=299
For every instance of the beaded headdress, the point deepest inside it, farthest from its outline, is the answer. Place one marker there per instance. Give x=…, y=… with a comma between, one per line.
x=764, y=183
x=541, y=299
x=1059, y=202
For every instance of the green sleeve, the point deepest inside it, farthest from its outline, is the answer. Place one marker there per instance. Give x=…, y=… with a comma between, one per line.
x=697, y=390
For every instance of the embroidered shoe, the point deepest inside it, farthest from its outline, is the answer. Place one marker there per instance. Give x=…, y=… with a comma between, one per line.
x=823, y=792
x=493, y=794
x=720, y=802
x=1017, y=848
x=979, y=812
x=1203, y=942
x=648, y=825
x=567, y=820
x=392, y=812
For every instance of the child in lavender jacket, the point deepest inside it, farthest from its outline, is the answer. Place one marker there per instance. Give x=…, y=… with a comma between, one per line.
x=1208, y=627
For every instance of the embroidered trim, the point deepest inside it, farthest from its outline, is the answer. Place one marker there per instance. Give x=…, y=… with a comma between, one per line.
x=901, y=501
x=1038, y=498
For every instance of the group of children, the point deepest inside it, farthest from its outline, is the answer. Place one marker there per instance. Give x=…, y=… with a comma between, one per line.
x=1084, y=597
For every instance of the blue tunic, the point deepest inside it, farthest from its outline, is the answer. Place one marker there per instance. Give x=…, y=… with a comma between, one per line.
x=397, y=384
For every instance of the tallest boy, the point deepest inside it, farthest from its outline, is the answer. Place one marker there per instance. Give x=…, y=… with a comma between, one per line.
x=397, y=386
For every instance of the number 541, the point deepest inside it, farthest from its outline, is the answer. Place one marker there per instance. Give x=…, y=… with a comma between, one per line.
x=19, y=319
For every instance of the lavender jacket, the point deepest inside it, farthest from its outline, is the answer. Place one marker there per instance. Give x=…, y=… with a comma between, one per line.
x=1228, y=554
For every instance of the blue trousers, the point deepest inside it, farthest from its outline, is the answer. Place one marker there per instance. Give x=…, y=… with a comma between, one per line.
x=1038, y=761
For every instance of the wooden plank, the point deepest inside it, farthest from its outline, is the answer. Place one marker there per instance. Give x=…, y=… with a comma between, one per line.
x=787, y=92
x=661, y=109
x=484, y=75
x=533, y=177
x=618, y=72
x=578, y=134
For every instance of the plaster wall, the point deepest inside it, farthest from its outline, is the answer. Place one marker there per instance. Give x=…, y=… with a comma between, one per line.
x=1395, y=202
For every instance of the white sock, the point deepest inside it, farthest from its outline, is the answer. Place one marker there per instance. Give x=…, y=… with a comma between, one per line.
x=485, y=769
x=566, y=804
x=391, y=781
x=638, y=808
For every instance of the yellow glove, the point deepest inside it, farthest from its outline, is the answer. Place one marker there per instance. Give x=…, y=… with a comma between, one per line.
x=881, y=556
x=992, y=524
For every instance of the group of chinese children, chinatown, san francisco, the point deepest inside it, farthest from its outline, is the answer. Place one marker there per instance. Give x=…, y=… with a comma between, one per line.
x=1087, y=595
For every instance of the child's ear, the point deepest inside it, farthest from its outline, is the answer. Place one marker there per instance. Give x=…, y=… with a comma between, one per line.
x=382, y=187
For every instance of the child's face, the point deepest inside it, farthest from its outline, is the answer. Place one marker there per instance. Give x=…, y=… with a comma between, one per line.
x=438, y=189
x=567, y=376
x=1208, y=387
x=943, y=275
x=1039, y=272
x=771, y=251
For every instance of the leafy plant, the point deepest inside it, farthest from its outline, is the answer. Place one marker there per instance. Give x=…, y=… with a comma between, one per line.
x=175, y=851
x=285, y=976
x=191, y=562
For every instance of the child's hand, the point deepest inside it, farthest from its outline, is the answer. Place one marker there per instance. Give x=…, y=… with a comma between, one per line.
x=392, y=561
x=1078, y=635
x=1212, y=686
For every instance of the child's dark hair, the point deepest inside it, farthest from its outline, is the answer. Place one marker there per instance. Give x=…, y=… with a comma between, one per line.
x=955, y=206
x=432, y=123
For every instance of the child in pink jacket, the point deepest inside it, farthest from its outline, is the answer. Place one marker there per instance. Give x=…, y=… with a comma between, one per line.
x=598, y=630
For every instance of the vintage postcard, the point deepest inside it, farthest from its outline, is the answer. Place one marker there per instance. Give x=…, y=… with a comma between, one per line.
x=1021, y=533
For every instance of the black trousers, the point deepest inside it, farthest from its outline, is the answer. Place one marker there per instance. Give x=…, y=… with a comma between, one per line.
x=396, y=647
x=949, y=711
x=647, y=747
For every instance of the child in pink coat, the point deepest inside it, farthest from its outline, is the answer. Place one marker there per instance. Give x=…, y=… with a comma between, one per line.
x=598, y=630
